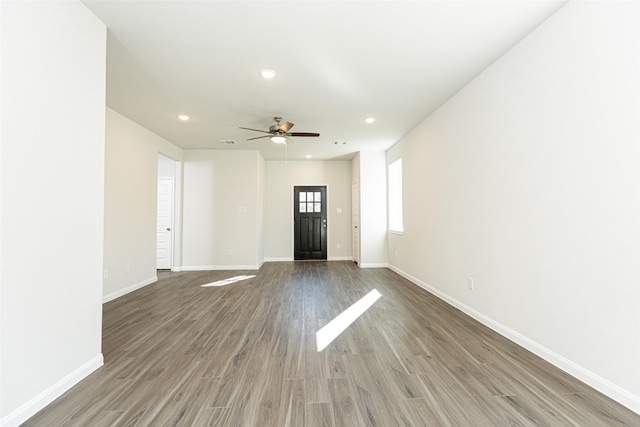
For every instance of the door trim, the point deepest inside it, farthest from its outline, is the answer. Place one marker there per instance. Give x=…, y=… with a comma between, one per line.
x=171, y=251
x=356, y=247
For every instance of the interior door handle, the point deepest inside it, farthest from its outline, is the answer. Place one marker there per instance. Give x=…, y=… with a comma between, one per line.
x=168, y=229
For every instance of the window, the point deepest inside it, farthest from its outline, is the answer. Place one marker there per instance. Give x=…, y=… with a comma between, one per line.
x=310, y=202
x=395, y=197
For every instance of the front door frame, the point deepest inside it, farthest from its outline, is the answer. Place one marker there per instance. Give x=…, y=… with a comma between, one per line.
x=293, y=216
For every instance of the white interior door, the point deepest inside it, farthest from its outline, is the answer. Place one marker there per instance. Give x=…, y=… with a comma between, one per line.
x=355, y=212
x=164, y=248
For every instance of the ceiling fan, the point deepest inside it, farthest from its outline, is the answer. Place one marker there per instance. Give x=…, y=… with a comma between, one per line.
x=279, y=132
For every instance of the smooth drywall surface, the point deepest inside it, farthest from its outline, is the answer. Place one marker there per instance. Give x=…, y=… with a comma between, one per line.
x=166, y=167
x=373, y=209
x=169, y=150
x=221, y=209
x=281, y=178
x=262, y=200
x=131, y=179
x=527, y=182
x=53, y=122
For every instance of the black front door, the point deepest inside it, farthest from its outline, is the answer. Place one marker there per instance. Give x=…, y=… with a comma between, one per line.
x=310, y=222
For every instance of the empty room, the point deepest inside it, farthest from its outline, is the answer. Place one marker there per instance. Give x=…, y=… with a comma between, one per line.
x=320, y=213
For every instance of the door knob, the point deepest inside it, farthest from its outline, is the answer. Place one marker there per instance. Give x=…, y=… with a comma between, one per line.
x=168, y=229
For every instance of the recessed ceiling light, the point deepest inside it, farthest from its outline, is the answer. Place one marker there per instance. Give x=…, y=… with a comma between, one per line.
x=370, y=120
x=183, y=117
x=308, y=156
x=267, y=73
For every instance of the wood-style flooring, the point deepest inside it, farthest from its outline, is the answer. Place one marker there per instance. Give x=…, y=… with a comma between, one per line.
x=244, y=354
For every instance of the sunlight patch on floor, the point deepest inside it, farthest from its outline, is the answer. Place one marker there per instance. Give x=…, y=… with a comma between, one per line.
x=333, y=329
x=228, y=281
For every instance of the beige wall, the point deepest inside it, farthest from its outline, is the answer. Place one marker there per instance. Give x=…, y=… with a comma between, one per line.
x=52, y=199
x=373, y=208
x=130, y=205
x=261, y=203
x=212, y=187
x=527, y=181
x=281, y=177
x=221, y=209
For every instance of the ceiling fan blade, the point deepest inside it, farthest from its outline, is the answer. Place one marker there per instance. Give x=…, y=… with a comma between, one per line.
x=303, y=134
x=258, y=137
x=256, y=130
x=285, y=127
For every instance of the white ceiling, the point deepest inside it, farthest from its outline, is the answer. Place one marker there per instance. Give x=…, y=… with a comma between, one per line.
x=338, y=62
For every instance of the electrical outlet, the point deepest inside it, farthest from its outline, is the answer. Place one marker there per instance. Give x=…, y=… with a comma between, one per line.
x=338, y=246
x=126, y=268
x=470, y=283
x=229, y=252
x=106, y=274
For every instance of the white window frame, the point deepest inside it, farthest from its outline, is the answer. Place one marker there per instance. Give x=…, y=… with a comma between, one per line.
x=395, y=207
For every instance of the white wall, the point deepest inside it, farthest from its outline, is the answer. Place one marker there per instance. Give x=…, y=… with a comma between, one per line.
x=217, y=186
x=262, y=201
x=527, y=181
x=281, y=178
x=166, y=167
x=373, y=209
x=131, y=175
x=53, y=85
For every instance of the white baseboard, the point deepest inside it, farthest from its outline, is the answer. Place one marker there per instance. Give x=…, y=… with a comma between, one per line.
x=374, y=265
x=30, y=408
x=287, y=259
x=219, y=267
x=278, y=259
x=128, y=289
x=620, y=395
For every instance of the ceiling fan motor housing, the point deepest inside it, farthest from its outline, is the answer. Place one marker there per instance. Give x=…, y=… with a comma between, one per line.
x=276, y=126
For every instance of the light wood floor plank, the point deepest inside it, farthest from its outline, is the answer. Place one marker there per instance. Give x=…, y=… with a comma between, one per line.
x=180, y=354
x=318, y=415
